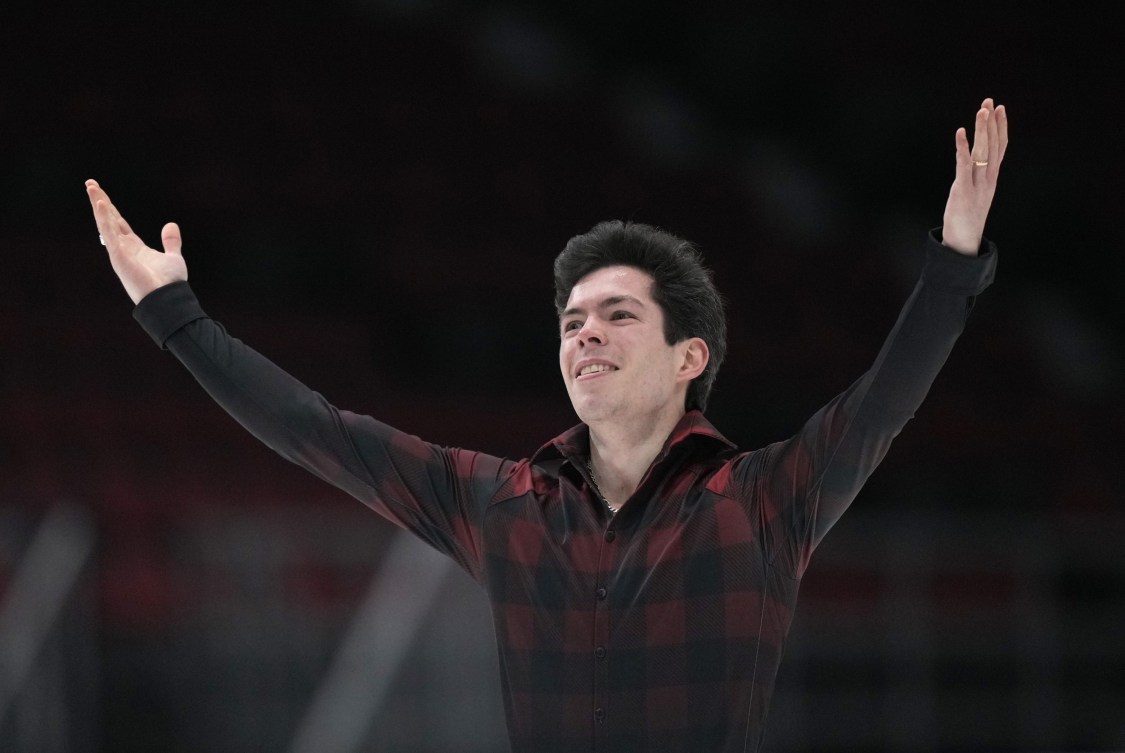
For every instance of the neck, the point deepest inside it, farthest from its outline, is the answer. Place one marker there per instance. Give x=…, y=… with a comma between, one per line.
x=621, y=453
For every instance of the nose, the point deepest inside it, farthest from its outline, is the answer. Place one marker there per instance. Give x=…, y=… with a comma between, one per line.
x=591, y=333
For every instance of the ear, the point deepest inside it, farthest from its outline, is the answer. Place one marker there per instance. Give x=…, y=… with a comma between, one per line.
x=696, y=354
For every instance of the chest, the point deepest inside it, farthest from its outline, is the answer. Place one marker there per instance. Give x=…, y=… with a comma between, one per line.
x=562, y=551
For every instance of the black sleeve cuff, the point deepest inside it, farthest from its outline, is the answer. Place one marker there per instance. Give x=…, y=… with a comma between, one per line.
x=956, y=272
x=167, y=309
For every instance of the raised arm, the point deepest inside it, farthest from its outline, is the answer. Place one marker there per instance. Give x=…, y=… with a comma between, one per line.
x=437, y=493
x=812, y=478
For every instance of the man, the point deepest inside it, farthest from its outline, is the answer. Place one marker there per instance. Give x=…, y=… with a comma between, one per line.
x=642, y=571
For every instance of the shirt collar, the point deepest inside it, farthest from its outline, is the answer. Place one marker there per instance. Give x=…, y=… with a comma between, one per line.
x=574, y=444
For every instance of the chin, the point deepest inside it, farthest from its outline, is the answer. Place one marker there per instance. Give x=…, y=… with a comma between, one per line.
x=590, y=409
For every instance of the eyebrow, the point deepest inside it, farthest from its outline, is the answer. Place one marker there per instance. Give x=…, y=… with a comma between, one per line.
x=613, y=300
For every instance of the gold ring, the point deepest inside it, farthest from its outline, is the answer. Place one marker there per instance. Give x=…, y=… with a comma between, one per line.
x=978, y=163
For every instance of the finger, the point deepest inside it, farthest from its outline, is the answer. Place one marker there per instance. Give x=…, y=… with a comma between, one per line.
x=122, y=226
x=101, y=219
x=980, y=135
x=95, y=193
x=1002, y=130
x=964, y=161
x=993, y=145
x=99, y=202
x=112, y=227
x=980, y=160
x=170, y=237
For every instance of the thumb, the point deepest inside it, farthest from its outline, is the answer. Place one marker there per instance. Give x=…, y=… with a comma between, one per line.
x=170, y=237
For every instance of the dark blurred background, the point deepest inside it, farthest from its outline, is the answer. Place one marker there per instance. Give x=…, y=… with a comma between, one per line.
x=372, y=193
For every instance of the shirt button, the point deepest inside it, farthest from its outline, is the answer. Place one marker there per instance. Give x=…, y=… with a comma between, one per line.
x=600, y=593
x=599, y=715
x=600, y=652
x=610, y=535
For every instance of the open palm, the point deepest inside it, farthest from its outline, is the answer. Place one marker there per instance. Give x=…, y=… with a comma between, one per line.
x=141, y=269
x=974, y=185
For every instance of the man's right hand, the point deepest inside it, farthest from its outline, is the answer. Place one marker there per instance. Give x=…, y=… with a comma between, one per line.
x=141, y=269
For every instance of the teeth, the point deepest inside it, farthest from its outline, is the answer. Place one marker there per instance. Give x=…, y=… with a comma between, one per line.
x=596, y=367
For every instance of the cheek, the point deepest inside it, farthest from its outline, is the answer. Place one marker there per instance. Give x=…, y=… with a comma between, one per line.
x=661, y=371
x=564, y=349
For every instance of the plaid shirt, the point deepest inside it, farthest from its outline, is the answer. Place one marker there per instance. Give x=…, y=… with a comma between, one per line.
x=660, y=628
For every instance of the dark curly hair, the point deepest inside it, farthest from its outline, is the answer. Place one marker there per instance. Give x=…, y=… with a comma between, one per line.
x=682, y=286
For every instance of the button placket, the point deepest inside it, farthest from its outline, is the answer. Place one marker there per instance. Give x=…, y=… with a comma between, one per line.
x=607, y=557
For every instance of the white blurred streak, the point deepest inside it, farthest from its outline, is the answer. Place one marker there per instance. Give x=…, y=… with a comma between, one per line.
x=377, y=643
x=38, y=592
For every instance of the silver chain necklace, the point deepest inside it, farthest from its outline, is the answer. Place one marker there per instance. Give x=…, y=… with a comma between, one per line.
x=598, y=489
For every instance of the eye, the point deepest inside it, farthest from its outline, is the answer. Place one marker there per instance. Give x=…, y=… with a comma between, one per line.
x=572, y=325
x=622, y=315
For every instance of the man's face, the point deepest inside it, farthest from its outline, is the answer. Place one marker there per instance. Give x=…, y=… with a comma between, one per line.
x=614, y=359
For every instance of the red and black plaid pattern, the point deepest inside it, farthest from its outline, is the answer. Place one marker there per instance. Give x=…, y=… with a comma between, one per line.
x=660, y=628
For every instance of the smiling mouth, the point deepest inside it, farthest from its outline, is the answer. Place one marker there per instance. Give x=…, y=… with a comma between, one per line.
x=595, y=368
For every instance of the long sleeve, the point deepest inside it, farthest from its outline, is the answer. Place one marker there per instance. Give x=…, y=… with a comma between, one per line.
x=438, y=493
x=803, y=485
